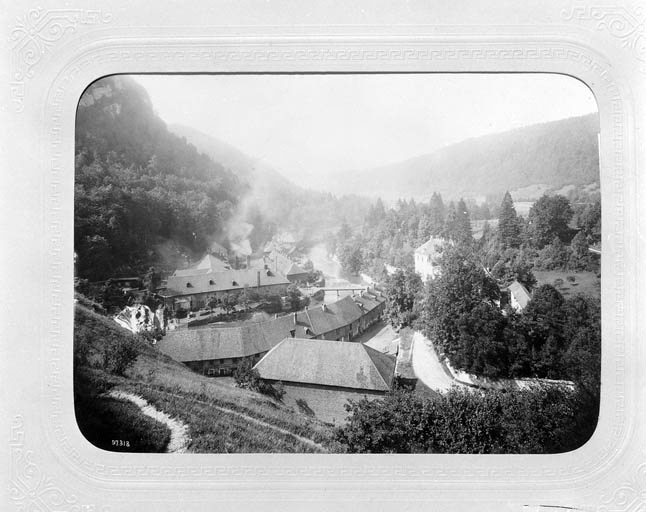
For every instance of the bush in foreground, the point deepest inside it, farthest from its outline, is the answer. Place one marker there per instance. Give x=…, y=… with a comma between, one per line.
x=537, y=420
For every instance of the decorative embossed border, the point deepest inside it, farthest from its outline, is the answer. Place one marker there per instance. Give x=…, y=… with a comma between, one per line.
x=57, y=53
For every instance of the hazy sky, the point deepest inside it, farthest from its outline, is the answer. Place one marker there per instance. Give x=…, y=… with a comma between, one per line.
x=312, y=124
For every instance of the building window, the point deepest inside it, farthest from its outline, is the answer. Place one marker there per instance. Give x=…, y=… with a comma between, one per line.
x=210, y=372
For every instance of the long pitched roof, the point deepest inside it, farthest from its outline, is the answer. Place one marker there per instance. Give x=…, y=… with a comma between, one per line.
x=207, y=264
x=195, y=344
x=209, y=342
x=328, y=363
x=368, y=301
x=204, y=282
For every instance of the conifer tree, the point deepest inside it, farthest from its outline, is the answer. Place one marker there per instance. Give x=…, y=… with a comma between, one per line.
x=508, y=225
x=450, y=224
x=463, y=232
x=437, y=214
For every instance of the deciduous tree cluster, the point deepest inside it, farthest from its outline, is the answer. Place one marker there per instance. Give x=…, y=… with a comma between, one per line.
x=538, y=420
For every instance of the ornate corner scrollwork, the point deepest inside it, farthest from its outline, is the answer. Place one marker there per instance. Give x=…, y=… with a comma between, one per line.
x=30, y=488
x=34, y=36
x=628, y=26
x=630, y=495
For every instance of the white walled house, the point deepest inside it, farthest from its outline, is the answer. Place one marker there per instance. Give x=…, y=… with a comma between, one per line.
x=519, y=297
x=427, y=258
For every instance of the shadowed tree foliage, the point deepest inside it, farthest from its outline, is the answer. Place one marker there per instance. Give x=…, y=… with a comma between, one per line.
x=513, y=265
x=579, y=255
x=458, y=223
x=138, y=186
x=549, y=218
x=461, y=287
x=535, y=420
x=588, y=220
x=402, y=290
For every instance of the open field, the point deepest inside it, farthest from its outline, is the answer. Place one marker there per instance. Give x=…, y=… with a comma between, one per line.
x=221, y=417
x=584, y=283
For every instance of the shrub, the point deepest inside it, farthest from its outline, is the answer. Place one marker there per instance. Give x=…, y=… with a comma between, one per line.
x=279, y=390
x=571, y=279
x=119, y=356
x=558, y=282
x=245, y=376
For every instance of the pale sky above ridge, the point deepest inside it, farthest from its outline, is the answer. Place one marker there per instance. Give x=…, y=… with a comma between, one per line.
x=309, y=125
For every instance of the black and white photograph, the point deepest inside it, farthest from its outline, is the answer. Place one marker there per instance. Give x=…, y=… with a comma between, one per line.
x=337, y=263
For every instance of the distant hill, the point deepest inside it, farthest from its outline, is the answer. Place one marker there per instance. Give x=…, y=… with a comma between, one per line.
x=554, y=154
x=239, y=163
x=272, y=203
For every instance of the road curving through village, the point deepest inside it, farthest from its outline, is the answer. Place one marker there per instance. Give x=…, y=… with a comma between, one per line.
x=428, y=367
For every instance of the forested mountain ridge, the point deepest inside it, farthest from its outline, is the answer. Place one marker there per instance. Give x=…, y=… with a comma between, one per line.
x=143, y=195
x=270, y=197
x=556, y=154
x=242, y=165
x=273, y=203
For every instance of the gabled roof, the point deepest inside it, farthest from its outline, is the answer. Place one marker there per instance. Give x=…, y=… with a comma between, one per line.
x=195, y=344
x=368, y=301
x=207, y=264
x=217, y=248
x=327, y=318
x=234, y=280
x=328, y=363
x=294, y=270
x=520, y=293
x=431, y=247
x=190, y=272
x=212, y=264
x=281, y=263
x=209, y=342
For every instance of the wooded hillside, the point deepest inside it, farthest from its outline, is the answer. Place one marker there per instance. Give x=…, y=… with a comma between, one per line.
x=142, y=194
x=556, y=154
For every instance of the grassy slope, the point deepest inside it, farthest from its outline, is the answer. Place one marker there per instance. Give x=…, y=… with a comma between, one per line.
x=585, y=283
x=221, y=418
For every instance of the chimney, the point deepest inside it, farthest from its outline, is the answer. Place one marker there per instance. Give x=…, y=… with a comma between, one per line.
x=294, y=318
x=258, y=279
x=324, y=307
x=248, y=261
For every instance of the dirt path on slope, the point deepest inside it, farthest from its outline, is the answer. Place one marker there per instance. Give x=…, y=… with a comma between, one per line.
x=251, y=419
x=179, y=438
